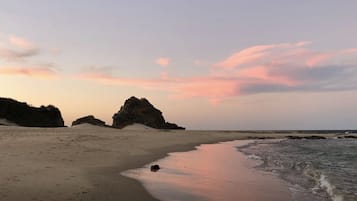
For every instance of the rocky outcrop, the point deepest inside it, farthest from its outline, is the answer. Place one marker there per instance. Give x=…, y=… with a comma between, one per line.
x=141, y=111
x=88, y=120
x=347, y=137
x=312, y=137
x=24, y=115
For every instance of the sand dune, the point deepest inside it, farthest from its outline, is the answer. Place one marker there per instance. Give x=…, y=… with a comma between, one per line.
x=132, y=127
x=84, y=126
x=138, y=127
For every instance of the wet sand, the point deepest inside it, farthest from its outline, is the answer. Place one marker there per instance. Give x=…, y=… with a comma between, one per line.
x=212, y=172
x=85, y=162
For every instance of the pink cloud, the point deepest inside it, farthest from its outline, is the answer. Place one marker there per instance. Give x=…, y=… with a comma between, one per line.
x=349, y=51
x=262, y=74
x=112, y=80
x=17, y=48
x=316, y=59
x=163, y=61
x=21, y=42
x=302, y=43
x=37, y=72
x=262, y=68
x=214, y=89
x=260, y=54
x=245, y=56
x=210, y=87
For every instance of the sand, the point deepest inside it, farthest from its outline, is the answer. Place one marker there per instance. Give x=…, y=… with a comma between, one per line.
x=5, y=122
x=138, y=127
x=85, y=162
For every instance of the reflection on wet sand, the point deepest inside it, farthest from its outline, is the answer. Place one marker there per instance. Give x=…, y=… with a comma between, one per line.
x=212, y=172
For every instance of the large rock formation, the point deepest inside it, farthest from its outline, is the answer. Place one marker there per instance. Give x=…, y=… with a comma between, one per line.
x=89, y=120
x=141, y=111
x=25, y=115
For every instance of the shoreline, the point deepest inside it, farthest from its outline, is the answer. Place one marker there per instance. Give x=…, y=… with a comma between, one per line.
x=86, y=162
x=141, y=193
x=243, y=175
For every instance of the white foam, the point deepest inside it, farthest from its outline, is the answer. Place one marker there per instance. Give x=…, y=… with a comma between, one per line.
x=329, y=188
x=254, y=157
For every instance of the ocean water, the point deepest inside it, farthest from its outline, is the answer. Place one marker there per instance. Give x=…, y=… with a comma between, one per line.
x=256, y=170
x=318, y=170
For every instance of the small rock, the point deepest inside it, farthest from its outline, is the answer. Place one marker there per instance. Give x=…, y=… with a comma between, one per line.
x=155, y=168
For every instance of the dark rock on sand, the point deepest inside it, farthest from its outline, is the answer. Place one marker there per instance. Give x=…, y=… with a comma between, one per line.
x=23, y=114
x=315, y=137
x=155, y=168
x=141, y=111
x=294, y=137
x=348, y=137
x=88, y=120
x=312, y=137
x=351, y=136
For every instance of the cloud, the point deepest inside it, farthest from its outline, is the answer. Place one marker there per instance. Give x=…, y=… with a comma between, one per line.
x=163, y=61
x=210, y=87
x=282, y=67
x=99, y=69
x=318, y=58
x=21, y=43
x=42, y=72
x=17, y=48
x=258, y=54
x=245, y=56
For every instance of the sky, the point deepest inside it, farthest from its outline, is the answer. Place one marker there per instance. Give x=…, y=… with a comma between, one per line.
x=206, y=64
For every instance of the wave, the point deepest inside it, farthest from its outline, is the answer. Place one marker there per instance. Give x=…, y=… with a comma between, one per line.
x=322, y=182
x=329, y=188
x=313, y=171
x=254, y=157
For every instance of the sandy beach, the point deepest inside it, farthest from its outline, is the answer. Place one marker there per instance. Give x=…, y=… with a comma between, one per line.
x=85, y=162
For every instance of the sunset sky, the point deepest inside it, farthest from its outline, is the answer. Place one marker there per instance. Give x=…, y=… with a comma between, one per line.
x=205, y=64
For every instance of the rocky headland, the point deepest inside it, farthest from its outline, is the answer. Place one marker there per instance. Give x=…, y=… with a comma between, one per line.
x=22, y=114
x=143, y=112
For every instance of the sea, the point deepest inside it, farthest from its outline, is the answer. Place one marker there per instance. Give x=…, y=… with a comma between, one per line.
x=310, y=170
x=316, y=170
